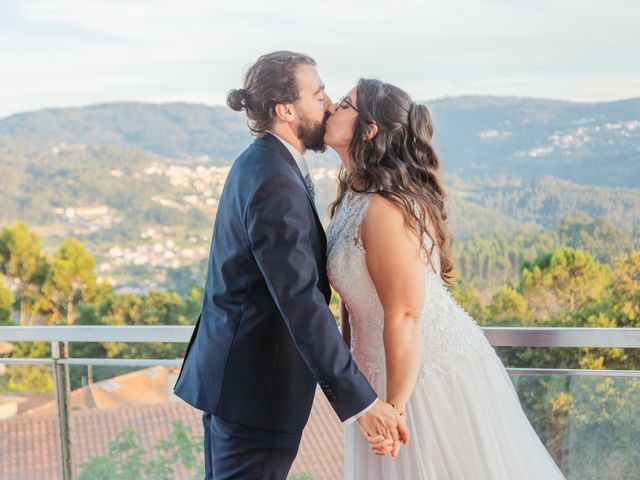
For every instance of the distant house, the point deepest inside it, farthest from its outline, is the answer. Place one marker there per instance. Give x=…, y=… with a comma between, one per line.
x=5, y=347
x=9, y=405
x=87, y=212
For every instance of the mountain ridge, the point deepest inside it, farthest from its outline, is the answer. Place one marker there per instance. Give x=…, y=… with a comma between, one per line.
x=476, y=136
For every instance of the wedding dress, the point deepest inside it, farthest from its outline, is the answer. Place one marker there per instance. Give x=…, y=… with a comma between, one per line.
x=464, y=416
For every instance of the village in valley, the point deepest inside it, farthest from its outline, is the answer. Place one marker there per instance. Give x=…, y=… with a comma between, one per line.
x=141, y=264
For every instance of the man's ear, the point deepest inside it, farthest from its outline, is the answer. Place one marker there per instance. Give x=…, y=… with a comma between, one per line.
x=284, y=111
x=370, y=132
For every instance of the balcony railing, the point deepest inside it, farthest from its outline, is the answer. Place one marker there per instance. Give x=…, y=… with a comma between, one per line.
x=61, y=336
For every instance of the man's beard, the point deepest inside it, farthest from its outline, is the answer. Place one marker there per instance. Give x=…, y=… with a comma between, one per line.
x=312, y=136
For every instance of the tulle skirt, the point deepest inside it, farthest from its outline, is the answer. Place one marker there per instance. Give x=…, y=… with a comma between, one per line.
x=465, y=424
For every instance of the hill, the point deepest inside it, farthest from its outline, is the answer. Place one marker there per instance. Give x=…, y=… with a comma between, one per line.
x=477, y=136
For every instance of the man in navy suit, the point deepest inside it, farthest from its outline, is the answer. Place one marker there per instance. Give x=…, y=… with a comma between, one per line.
x=265, y=336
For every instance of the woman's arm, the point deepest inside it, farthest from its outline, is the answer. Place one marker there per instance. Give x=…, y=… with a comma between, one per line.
x=393, y=261
x=346, y=326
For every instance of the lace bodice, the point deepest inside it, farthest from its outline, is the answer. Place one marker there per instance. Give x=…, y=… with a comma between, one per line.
x=448, y=331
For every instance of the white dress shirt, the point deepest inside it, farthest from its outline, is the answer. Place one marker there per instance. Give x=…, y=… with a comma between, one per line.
x=297, y=155
x=304, y=169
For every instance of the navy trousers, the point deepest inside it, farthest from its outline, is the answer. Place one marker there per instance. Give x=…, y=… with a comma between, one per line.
x=238, y=452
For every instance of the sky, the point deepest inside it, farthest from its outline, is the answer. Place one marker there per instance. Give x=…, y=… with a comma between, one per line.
x=57, y=53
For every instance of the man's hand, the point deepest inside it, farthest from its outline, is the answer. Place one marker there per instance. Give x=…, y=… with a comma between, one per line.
x=384, y=428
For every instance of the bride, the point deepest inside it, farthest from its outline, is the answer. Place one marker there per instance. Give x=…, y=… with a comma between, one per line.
x=389, y=258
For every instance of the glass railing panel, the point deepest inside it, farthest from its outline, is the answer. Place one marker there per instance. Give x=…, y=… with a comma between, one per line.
x=126, y=421
x=28, y=438
x=589, y=424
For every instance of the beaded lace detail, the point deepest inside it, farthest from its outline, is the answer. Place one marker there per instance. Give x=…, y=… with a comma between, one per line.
x=448, y=332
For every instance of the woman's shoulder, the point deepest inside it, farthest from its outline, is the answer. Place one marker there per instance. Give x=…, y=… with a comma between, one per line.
x=385, y=225
x=383, y=210
x=381, y=215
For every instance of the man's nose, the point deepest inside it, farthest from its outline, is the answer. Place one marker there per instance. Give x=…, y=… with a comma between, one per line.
x=331, y=109
x=328, y=105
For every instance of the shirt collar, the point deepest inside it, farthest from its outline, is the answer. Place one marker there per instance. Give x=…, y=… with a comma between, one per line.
x=295, y=153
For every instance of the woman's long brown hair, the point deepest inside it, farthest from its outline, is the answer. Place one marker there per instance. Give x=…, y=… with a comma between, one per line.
x=400, y=164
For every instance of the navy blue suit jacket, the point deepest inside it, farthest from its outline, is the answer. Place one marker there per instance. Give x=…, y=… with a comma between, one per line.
x=265, y=335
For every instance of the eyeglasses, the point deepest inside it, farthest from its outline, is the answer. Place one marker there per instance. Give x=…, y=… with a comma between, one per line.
x=346, y=100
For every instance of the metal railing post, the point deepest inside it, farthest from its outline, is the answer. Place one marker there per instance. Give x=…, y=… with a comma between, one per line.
x=60, y=350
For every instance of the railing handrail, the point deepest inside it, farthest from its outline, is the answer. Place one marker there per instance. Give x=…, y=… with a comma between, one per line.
x=98, y=333
x=562, y=337
x=155, y=362
x=497, y=336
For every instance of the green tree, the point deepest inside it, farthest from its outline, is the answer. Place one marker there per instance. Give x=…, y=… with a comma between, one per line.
x=155, y=308
x=599, y=236
x=6, y=304
x=22, y=261
x=508, y=306
x=71, y=278
x=467, y=297
x=30, y=378
x=603, y=426
x=565, y=278
x=625, y=291
x=619, y=307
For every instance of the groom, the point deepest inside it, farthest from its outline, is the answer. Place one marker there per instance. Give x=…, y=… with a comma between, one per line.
x=265, y=336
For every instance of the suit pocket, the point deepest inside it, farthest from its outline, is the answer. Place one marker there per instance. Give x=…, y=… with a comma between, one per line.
x=252, y=372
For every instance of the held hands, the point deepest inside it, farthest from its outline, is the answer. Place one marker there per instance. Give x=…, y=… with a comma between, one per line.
x=384, y=427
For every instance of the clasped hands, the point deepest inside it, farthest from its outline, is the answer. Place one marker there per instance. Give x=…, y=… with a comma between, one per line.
x=385, y=428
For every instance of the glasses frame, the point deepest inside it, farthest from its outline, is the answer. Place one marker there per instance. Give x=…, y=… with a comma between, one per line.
x=346, y=100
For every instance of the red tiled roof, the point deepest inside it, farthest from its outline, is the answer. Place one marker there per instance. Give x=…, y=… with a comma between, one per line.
x=142, y=387
x=28, y=443
x=320, y=453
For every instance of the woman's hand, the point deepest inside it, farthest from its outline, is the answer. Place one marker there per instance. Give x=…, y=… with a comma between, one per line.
x=381, y=445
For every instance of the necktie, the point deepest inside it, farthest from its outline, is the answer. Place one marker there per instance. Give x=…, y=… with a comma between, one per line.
x=310, y=187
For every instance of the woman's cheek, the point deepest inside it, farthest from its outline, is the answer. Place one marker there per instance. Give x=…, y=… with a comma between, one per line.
x=347, y=136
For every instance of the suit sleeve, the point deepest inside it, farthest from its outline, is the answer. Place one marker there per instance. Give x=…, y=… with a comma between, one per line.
x=278, y=220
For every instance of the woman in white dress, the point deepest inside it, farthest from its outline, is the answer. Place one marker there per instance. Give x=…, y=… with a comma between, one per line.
x=417, y=347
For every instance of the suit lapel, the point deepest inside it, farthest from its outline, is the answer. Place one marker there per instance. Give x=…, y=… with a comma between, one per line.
x=276, y=144
x=272, y=142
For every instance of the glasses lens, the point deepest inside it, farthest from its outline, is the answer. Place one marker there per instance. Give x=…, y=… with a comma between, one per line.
x=345, y=100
